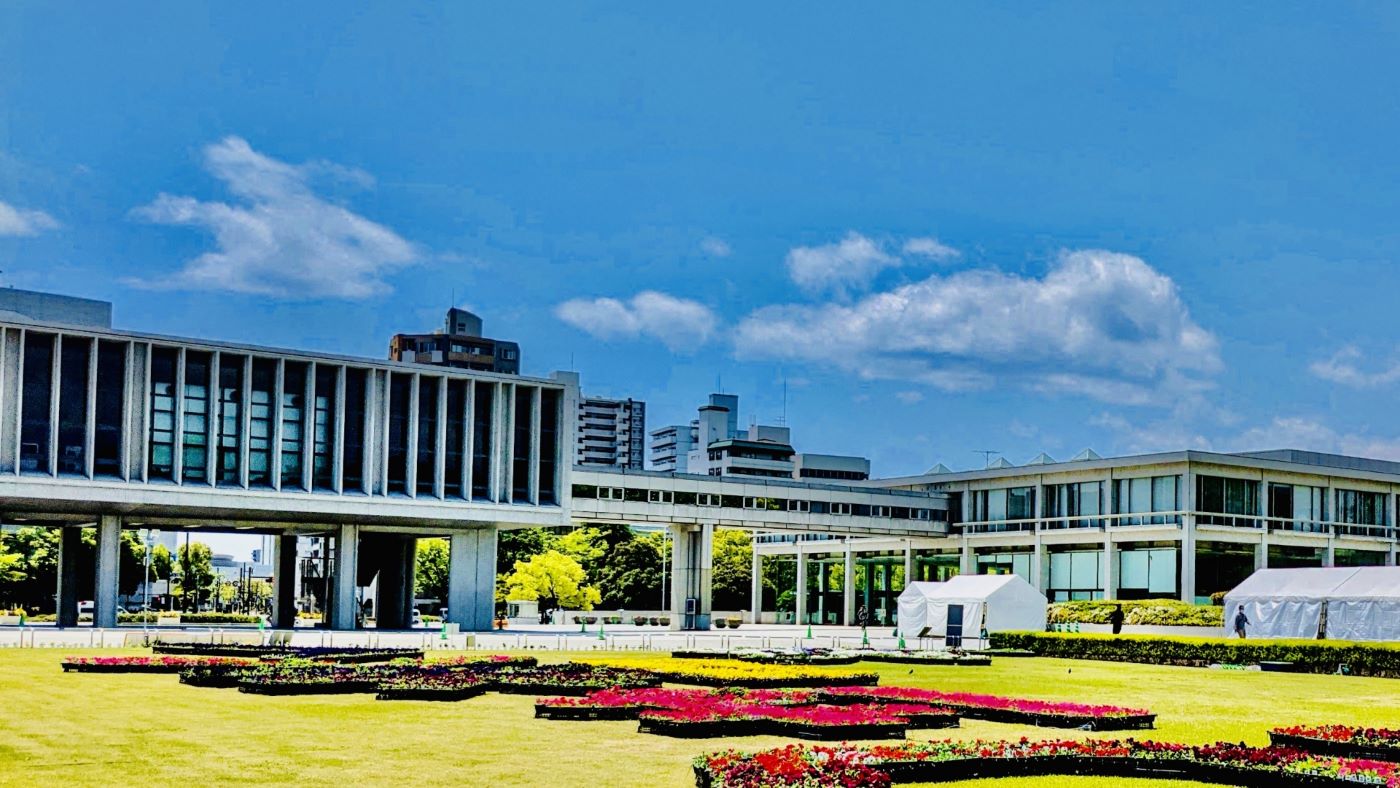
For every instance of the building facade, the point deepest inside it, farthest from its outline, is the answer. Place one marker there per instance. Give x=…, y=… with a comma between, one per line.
x=458, y=344
x=611, y=433
x=1181, y=525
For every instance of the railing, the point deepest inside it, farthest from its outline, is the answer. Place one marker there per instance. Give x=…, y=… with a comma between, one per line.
x=1138, y=519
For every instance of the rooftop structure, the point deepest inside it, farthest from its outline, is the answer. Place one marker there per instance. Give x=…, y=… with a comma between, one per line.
x=458, y=344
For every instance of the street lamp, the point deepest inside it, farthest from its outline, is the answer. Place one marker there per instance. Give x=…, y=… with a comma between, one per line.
x=146, y=587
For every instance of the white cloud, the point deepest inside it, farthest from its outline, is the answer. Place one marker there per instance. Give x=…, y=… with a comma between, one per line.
x=1297, y=432
x=909, y=397
x=1342, y=368
x=931, y=248
x=1098, y=324
x=715, y=247
x=850, y=263
x=280, y=238
x=677, y=323
x=17, y=221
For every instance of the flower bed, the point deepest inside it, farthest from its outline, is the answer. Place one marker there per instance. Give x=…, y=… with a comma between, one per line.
x=343, y=655
x=1050, y=714
x=298, y=677
x=573, y=678
x=1344, y=740
x=439, y=685
x=942, y=761
x=711, y=718
x=156, y=664
x=735, y=673
x=485, y=662
x=824, y=656
x=215, y=676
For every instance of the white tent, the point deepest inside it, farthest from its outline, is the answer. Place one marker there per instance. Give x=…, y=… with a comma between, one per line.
x=1339, y=603
x=996, y=603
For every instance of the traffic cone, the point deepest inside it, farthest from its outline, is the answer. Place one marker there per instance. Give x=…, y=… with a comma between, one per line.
x=864, y=638
x=600, y=630
x=901, y=639
x=809, y=632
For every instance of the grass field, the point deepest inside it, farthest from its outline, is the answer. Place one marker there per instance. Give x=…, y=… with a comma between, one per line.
x=92, y=729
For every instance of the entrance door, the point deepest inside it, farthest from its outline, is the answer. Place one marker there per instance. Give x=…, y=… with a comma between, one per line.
x=953, y=637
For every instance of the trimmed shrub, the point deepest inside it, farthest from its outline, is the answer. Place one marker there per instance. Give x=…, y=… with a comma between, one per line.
x=1141, y=612
x=1307, y=656
x=191, y=618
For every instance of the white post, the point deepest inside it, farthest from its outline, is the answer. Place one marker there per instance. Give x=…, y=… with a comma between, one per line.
x=346, y=606
x=1110, y=569
x=109, y=536
x=800, y=611
x=848, y=587
x=756, y=586
x=968, y=562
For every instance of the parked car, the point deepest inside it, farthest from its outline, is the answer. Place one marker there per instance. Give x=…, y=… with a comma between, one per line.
x=417, y=619
x=85, y=608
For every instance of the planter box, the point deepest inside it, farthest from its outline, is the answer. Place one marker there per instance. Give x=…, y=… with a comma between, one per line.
x=803, y=730
x=9, y=621
x=456, y=693
x=584, y=713
x=703, y=730
x=332, y=688
x=1344, y=749
x=1278, y=667
x=153, y=668
x=168, y=621
x=931, y=721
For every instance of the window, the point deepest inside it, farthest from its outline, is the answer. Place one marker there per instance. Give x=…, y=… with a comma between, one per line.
x=481, y=440
x=840, y=508
x=879, y=511
x=1145, y=495
x=194, y=459
x=611, y=493
x=520, y=471
x=162, y=449
x=760, y=503
x=34, y=412
x=919, y=514
x=323, y=429
x=111, y=400
x=1070, y=502
x=456, y=437
x=1220, y=496
x=400, y=389
x=260, y=422
x=799, y=506
x=230, y=419
x=426, y=480
x=293, y=419
x=707, y=499
x=1360, y=507
x=352, y=455
x=72, y=405
x=508, y=354
x=549, y=443
x=660, y=496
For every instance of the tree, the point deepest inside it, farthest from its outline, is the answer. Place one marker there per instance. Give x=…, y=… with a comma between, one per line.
x=519, y=545
x=196, y=574
x=430, y=578
x=631, y=575
x=731, y=577
x=554, y=579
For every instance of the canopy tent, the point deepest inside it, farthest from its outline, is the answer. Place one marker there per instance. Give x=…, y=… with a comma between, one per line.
x=967, y=604
x=1340, y=603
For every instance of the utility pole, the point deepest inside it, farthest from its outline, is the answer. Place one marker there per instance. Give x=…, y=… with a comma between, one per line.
x=986, y=455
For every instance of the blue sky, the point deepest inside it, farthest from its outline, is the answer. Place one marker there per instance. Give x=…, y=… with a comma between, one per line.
x=1019, y=228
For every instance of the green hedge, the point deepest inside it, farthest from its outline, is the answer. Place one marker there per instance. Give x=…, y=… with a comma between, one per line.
x=1308, y=656
x=1145, y=612
x=192, y=618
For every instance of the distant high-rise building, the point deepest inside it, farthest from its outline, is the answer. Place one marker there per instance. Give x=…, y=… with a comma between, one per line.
x=611, y=432
x=714, y=445
x=458, y=344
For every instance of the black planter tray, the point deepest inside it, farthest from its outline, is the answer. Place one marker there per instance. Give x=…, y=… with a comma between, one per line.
x=421, y=693
x=544, y=712
x=967, y=662
x=762, y=683
x=211, y=679
x=703, y=730
x=153, y=668
x=541, y=688
x=331, y=688
x=804, y=730
x=924, y=722
x=1345, y=749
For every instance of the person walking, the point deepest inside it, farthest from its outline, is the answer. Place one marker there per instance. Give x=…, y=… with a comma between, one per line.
x=1116, y=619
x=1241, y=622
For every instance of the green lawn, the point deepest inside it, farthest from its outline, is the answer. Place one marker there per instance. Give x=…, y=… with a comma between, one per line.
x=92, y=729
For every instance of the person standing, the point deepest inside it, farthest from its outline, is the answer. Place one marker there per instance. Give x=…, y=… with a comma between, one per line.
x=1241, y=622
x=1116, y=619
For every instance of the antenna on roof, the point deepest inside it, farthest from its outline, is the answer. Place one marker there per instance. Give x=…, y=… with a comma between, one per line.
x=783, y=419
x=986, y=455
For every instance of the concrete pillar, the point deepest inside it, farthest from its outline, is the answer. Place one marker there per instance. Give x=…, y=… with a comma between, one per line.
x=1390, y=555
x=1038, y=578
x=692, y=552
x=104, y=595
x=345, y=601
x=968, y=562
x=1188, y=558
x=391, y=606
x=756, y=587
x=1329, y=557
x=848, y=588
x=69, y=546
x=1261, y=552
x=284, y=581
x=908, y=564
x=801, y=606
x=471, y=579
x=1110, y=569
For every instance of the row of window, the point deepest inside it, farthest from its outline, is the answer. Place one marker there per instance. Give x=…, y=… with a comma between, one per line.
x=238, y=420
x=1080, y=499
x=589, y=491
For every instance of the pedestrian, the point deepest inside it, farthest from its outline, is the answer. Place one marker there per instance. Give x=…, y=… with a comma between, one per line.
x=1116, y=619
x=862, y=616
x=1241, y=621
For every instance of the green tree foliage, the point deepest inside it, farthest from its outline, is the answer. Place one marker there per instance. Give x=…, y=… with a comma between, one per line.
x=519, y=545
x=430, y=579
x=732, y=576
x=197, y=578
x=33, y=574
x=554, y=579
x=630, y=577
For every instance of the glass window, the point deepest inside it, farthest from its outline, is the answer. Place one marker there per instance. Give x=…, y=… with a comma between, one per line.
x=1020, y=503
x=111, y=399
x=293, y=423
x=323, y=429
x=520, y=471
x=34, y=413
x=72, y=405
x=400, y=389
x=230, y=418
x=162, y=444
x=1164, y=494
x=426, y=480
x=456, y=436
x=481, y=440
x=260, y=422
x=549, y=443
x=352, y=457
x=194, y=459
